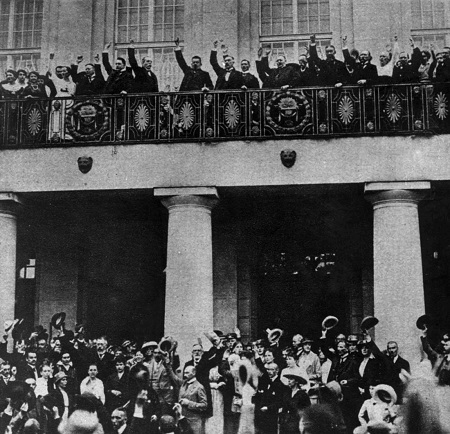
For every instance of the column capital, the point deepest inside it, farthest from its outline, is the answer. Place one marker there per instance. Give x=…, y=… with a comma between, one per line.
x=205, y=197
x=381, y=194
x=9, y=203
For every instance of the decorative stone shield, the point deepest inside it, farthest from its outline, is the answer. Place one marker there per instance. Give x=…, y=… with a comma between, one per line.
x=288, y=112
x=85, y=164
x=288, y=157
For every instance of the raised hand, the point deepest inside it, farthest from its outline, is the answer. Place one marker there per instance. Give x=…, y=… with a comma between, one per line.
x=79, y=59
x=216, y=44
x=97, y=58
x=312, y=38
x=107, y=46
x=177, y=42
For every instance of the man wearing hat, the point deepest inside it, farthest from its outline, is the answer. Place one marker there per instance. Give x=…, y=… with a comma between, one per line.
x=294, y=401
x=310, y=362
x=62, y=399
x=352, y=345
x=439, y=360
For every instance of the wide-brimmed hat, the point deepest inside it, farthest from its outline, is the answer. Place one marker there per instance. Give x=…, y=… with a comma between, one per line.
x=149, y=344
x=352, y=339
x=298, y=378
x=368, y=322
x=384, y=394
x=58, y=319
x=307, y=341
x=422, y=321
x=329, y=322
x=9, y=324
x=59, y=376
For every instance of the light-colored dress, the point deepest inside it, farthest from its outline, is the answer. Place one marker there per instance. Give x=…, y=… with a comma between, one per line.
x=214, y=424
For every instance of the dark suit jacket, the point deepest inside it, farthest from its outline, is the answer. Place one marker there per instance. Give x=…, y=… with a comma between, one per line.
x=84, y=85
x=408, y=73
x=250, y=80
x=194, y=79
x=235, y=80
x=276, y=77
x=366, y=72
x=114, y=383
x=105, y=366
x=58, y=397
x=442, y=71
x=330, y=72
x=292, y=406
x=143, y=81
x=272, y=398
x=117, y=81
x=24, y=371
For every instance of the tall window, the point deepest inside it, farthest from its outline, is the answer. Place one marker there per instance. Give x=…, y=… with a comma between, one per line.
x=285, y=25
x=153, y=25
x=430, y=22
x=20, y=33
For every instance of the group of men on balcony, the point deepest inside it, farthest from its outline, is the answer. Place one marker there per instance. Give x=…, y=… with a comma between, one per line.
x=311, y=70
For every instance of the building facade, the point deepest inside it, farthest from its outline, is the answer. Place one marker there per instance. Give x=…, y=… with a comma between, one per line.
x=176, y=234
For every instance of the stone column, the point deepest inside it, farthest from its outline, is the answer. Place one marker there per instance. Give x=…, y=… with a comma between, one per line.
x=189, y=270
x=9, y=204
x=398, y=279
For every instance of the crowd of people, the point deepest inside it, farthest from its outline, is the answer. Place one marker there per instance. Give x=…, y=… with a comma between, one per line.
x=311, y=70
x=70, y=383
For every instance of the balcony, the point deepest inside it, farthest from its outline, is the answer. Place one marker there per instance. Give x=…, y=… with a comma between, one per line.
x=314, y=113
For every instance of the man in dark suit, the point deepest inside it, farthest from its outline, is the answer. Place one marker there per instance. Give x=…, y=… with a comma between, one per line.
x=250, y=81
x=27, y=369
x=399, y=364
x=283, y=76
x=332, y=72
x=117, y=386
x=362, y=72
x=228, y=77
x=144, y=78
x=89, y=82
x=103, y=359
x=120, y=80
x=194, y=76
x=119, y=421
x=270, y=401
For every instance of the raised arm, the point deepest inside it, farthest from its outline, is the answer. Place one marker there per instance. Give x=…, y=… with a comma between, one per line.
x=213, y=58
x=132, y=57
x=179, y=56
x=105, y=59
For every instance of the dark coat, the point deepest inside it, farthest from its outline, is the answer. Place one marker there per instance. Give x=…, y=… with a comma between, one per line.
x=442, y=71
x=278, y=77
x=330, y=72
x=144, y=81
x=235, y=80
x=194, y=79
x=120, y=384
x=249, y=80
x=58, y=397
x=84, y=85
x=409, y=72
x=292, y=408
x=272, y=398
x=118, y=81
x=366, y=71
x=105, y=365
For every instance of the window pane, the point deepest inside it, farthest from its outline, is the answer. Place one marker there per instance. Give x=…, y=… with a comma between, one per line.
x=313, y=16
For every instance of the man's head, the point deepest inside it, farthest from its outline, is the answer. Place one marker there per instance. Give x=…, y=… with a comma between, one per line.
x=101, y=344
x=384, y=58
x=392, y=349
x=341, y=348
x=64, y=71
x=58, y=71
x=306, y=345
x=189, y=372
x=93, y=370
x=445, y=342
x=5, y=370
x=302, y=60
x=31, y=357
x=425, y=56
x=147, y=63
x=297, y=341
x=42, y=345
x=330, y=51
x=46, y=371
x=65, y=358
x=403, y=58
x=90, y=70
x=272, y=370
x=440, y=56
x=118, y=418
x=268, y=356
x=365, y=56
x=120, y=365
x=340, y=337
x=167, y=424
x=120, y=64
x=197, y=352
x=245, y=65
x=196, y=62
x=157, y=354
x=280, y=61
x=229, y=62
x=352, y=342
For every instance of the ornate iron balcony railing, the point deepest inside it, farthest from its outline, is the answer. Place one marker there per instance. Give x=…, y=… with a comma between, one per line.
x=314, y=113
